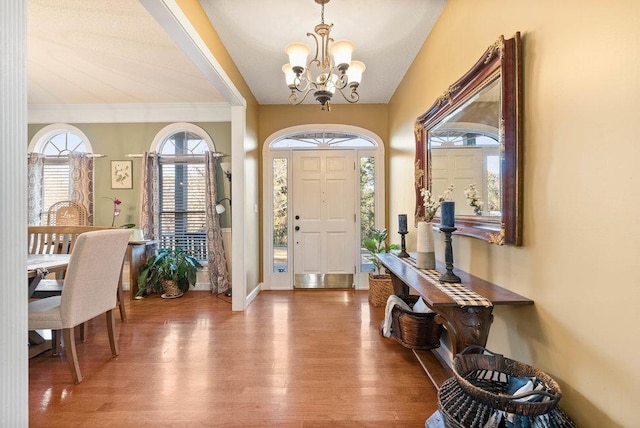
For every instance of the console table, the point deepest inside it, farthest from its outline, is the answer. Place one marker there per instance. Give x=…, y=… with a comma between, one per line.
x=137, y=253
x=468, y=324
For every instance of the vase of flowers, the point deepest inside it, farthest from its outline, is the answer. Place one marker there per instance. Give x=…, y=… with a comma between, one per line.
x=473, y=199
x=116, y=209
x=425, y=244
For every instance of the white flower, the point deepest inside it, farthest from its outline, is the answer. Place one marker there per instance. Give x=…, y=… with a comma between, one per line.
x=431, y=204
x=448, y=194
x=473, y=199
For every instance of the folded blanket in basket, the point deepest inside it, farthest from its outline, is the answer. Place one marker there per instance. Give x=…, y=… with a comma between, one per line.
x=421, y=306
x=518, y=385
x=392, y=301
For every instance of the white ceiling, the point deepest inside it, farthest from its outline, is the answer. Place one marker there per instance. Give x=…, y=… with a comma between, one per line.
x=114, y=52
x=387, y=35
x=106, y=52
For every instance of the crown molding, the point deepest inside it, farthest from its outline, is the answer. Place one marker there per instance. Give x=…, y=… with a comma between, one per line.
x=129, y=113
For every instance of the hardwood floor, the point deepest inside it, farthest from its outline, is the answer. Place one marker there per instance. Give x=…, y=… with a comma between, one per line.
x=292, y=359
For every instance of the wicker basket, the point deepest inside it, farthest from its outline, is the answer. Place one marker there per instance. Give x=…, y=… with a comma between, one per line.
x=466, y=365
x=415, y=330
x=380, y=288
x=461, y=410
x=170, y=288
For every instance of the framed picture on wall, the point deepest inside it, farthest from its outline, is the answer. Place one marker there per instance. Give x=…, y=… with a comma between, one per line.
x=121, y=174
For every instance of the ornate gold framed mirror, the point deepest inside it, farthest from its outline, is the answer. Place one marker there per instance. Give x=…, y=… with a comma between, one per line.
x=471, y=138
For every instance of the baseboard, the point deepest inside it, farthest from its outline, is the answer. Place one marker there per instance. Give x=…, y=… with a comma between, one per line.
x=254, y=293
x=202, y=286
x=443, y=353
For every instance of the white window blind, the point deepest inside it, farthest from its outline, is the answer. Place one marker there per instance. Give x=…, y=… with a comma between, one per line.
x=182, y=221
x=57, y=184
x=56, y=180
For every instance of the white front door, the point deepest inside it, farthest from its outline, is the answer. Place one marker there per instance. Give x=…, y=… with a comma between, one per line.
x=323, y=218
x=462, y=166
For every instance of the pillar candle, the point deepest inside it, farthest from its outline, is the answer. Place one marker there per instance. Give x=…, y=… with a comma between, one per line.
x=447, y=214
x=402, y=223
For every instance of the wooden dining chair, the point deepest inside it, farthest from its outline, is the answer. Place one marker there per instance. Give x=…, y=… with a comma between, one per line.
x=67, y=213
x=89, y=290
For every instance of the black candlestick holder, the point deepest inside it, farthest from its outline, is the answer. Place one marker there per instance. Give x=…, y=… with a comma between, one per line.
x=448, y=276
x=403, y=246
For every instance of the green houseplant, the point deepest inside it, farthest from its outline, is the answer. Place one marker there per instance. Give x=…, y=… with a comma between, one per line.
x=380, y=285
x=171, y=271
x=377, y=244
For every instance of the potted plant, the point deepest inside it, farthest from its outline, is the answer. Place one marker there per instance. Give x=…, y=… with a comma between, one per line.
x=380, y=286
x=170, y=272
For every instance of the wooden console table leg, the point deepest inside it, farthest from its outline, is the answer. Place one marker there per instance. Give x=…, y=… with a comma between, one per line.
x=399, y=287
x=467, y=325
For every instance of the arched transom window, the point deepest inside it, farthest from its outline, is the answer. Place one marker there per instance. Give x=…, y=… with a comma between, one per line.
x=321, y=139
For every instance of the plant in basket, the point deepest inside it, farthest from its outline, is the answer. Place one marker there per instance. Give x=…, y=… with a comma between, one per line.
x=170, y=272
x=377, y=244
x=380, y=286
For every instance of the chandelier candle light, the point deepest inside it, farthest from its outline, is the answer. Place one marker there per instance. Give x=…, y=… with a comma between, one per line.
x=323, y=75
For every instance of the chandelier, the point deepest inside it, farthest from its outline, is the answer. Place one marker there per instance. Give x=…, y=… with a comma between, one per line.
x=323, y=75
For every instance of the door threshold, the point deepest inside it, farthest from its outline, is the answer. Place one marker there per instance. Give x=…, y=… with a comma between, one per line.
x=323, y=281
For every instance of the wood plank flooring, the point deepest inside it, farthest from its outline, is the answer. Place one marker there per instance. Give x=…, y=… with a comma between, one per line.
x=292, y=359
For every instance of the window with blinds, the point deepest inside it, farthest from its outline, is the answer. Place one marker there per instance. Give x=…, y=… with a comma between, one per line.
x=182, y=221
x=57, y=183
x=182, y=215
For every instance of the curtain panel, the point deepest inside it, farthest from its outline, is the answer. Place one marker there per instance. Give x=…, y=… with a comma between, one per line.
x=218, y=273
x=35, y=188
x=81, y=174
x=80, y=185
x=148, y=196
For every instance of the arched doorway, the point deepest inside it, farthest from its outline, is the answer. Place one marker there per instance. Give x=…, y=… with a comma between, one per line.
x=323, y=193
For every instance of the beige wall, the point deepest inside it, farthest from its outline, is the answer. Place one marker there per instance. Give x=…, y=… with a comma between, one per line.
x=579, y=261
x=115, y=141
x=373, y=117
x=252, y=201
x=250, y=172
x=198, y=18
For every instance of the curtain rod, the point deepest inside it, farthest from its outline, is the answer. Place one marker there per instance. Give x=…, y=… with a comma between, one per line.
x=139, y=155
x=91, y=155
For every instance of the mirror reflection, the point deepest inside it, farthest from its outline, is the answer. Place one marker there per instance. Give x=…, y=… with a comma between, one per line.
x=471, y=138
x=465, y=152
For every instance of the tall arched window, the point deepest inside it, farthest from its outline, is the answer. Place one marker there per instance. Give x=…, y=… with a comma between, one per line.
x=181, y=216
x=59, y=169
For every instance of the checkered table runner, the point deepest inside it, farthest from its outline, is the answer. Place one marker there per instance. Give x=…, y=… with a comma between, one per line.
x=458, y=292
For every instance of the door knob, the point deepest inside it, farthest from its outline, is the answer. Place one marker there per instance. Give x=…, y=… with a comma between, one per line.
x=297, y=228
x=297, y=217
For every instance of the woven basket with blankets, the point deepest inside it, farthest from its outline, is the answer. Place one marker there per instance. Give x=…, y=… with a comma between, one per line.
x=411, y=323
x=491, y=391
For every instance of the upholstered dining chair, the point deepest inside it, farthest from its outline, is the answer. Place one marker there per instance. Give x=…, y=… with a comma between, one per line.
x=60, y=240
x=90, y=287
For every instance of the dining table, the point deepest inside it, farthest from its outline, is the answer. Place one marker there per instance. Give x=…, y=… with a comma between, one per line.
x=38, y=267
